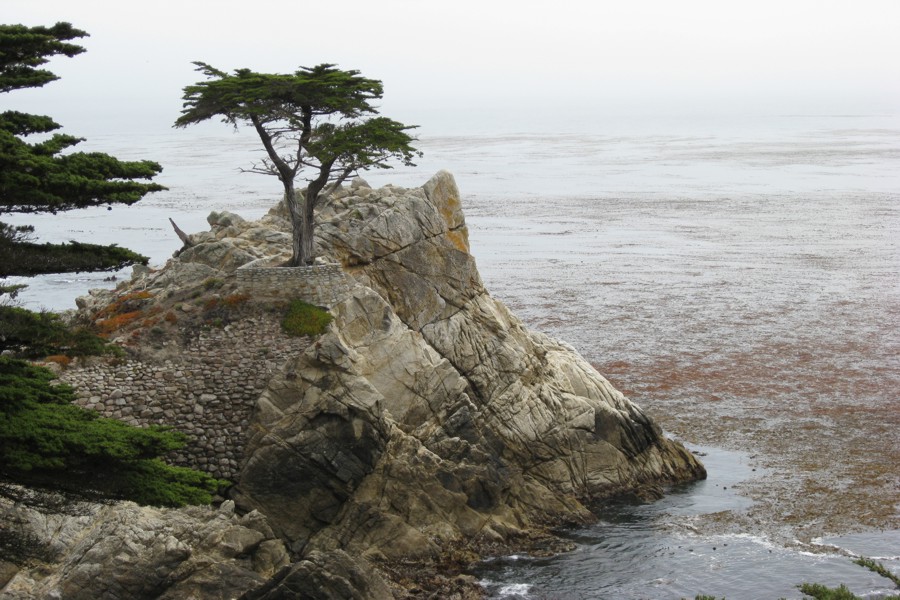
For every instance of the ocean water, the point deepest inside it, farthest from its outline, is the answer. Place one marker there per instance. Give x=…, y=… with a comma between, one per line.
x=737, y=277
x=652, y=550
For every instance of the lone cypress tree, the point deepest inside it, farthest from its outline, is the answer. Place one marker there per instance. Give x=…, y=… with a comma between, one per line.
x=317, y=123
x=45, y=176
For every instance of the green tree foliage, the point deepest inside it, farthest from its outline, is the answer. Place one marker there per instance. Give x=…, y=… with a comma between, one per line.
x=28, y=334
x=20, y=256
x=318, y=123
x=10, y=291
x=46, y=441
x=878, y=569
x=24, y=49
x=821, y=592
x=46, y=176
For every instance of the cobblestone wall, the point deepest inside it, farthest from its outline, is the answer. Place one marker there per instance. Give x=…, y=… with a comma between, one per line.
x=208, y=393
x=321, y=285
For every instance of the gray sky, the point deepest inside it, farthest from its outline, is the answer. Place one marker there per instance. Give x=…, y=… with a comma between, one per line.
x=465, y=59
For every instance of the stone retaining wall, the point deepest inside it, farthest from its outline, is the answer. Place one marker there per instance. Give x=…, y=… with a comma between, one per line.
x=208, y=393
x=321, y=285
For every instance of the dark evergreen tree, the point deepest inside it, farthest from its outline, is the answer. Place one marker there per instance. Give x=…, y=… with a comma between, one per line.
x=317, y=122
x=46, y=176
x=28, y=334
x=48, y=442
x=45, y=440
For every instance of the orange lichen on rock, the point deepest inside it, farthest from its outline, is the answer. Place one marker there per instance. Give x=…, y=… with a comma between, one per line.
x=124, y=304
x=459, y=239
x=233, y=300
x=60, y=359
x=113, y=323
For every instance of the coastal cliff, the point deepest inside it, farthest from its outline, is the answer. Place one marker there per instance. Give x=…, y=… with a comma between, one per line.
x=426, y=419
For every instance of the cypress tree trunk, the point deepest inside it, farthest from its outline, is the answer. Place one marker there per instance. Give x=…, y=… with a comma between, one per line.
x=290, y=201
x=308, y=221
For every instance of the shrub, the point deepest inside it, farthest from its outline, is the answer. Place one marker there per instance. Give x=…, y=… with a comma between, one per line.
x=304, y=319
x=234, y=300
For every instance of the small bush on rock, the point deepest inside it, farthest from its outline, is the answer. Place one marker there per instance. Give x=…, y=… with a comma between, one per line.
x=305, y=319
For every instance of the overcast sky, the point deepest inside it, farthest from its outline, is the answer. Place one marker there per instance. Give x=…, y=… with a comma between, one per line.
x=465, y=57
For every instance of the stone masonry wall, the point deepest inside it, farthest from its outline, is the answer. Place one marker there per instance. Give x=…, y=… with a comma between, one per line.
x=321, y=285
x=208, y=393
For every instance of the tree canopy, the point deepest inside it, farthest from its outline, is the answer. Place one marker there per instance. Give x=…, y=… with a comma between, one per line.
x=24, y=49
x=28, y=334
x=318, y=123
x=46, y=176
x=48, y=442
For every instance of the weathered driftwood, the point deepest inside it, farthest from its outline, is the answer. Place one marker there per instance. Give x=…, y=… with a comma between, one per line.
x=182, y=235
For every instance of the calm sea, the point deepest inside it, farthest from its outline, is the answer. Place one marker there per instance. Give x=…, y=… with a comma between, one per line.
x=732, y=266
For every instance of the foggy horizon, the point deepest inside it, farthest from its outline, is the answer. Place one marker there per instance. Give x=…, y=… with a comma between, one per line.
x=447, y=67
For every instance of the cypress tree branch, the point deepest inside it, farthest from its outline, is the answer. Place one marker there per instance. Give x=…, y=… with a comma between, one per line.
x=39, y=177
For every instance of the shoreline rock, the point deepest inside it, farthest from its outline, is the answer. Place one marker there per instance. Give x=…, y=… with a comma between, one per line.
x=426, y=423
x=428, y=412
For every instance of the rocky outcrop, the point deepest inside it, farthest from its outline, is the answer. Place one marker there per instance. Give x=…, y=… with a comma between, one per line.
x=425, y=420
x=428, y=414
x=326, y=575
x=129, y=551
